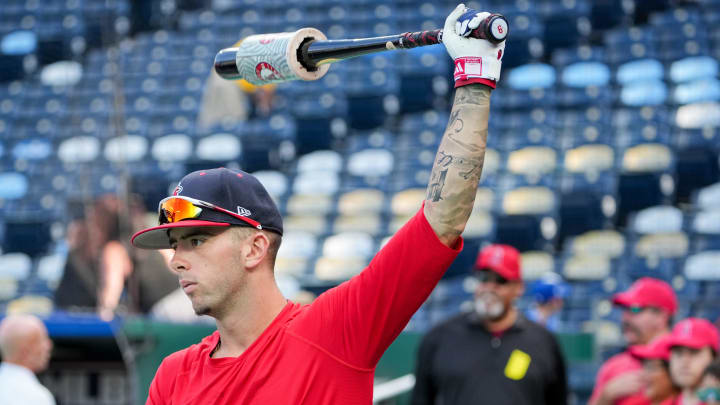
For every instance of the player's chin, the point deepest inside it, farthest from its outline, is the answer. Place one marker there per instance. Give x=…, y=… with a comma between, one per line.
x=201, y=309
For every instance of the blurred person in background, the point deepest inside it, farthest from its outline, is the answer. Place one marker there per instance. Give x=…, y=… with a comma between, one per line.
x=648, y=307
x=494, y=354
x=693, y=347
x=655, y=357
x=234, y=101
x=100, y=267
x=25, y=348
x=709, y=390
x=98, y=263
x=549, y=293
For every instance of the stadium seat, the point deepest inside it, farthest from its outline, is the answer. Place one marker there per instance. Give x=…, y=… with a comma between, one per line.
x=584, y=74
x=660, y=219
x=14, y=47
x=703, y=266
x=13, y=185
x=321, y=160
x=699, y=115
x=50, y=269
x=640, y=70
x=480, y=225
x=62, y=73
x=34, y=304
x=586, y=268
x=222, y=147
x=33, y=149
x=371, y=163
x=533, y=161
x=361, y=202
x=647, y=178
x=368, y=223
x=15, y=265
x=313, y=224
x=608, y=243
x=697, y=91
x=662, y=245
x=536, y=264
x=627, y=44
x=128, y=148
x=708, y=198
x=344, y=255
x=534, y=75
x=705, y=230
x=693, y=68
x=295, y=253
x=643, y=93
x=79, y=149
x=319, y=182
x=310, y=204
x=528, y=219
x=275, y=182
x=172, y=148
x=589, y=160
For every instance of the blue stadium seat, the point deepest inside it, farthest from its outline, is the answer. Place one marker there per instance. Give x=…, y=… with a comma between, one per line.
x=697, y=91
x=693, y=68
x=534, y=75
x=627, y=44
x=566, y=23
x=584, y=74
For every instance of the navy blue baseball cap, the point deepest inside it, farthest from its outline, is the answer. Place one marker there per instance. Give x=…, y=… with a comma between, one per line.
x=214, y=197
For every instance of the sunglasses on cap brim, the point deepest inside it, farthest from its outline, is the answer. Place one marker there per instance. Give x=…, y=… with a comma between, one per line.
x=177, y=208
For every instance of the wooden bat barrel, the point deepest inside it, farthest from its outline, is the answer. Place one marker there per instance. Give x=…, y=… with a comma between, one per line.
x=270, y=58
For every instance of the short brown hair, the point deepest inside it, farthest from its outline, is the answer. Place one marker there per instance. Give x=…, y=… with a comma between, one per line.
x=243, y=232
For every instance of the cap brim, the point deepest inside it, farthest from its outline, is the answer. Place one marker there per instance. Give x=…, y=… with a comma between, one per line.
x=624, y=300
x=648, y=352
x=157, y=236
x=691, y=343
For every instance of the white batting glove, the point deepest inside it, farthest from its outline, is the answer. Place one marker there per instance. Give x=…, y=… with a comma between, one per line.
x=476, y=60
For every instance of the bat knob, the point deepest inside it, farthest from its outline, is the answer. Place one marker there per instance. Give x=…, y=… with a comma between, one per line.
x=494, y=28
x=225, y=64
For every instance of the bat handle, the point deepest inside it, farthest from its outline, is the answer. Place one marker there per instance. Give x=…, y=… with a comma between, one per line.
x=494, y=28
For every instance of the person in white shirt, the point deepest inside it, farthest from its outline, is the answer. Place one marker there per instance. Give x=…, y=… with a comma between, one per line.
x=25, y=348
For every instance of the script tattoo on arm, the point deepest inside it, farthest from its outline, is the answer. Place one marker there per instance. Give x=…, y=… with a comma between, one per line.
x=458, y=164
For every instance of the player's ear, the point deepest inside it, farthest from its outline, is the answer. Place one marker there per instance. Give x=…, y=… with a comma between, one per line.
x=518, y=289
x=255, y=249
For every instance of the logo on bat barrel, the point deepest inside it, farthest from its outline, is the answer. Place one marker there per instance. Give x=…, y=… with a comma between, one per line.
x=266, y=71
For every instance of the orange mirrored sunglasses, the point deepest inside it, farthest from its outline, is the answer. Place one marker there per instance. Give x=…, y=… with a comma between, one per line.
x=175, y=209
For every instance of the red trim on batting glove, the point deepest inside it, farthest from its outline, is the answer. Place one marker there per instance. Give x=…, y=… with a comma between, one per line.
x=487, y=82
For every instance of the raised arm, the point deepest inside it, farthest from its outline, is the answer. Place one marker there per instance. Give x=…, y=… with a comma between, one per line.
x=459, y=160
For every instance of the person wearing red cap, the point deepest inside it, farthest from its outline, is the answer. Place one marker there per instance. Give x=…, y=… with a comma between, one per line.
x=655, y=358
x=225, y=230
x=648, y=307
x=693, y=346
x=492, y=354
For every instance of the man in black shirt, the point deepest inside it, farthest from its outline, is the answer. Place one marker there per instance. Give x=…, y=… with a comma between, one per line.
x=492, y=355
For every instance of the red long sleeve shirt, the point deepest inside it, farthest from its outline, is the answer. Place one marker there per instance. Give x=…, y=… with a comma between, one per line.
x=322, y=353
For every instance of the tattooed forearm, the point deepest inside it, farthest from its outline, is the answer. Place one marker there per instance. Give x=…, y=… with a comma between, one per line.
x=458, y=165
x=473, y=94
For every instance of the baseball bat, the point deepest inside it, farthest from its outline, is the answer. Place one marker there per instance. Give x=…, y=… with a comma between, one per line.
x=306, y=54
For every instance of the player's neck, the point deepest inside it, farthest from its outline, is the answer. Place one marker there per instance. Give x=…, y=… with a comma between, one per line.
x=688, y=397
x=242, y=325
x=503, y=323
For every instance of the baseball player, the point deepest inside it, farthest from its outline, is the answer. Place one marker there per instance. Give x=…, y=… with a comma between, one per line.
x=226, y=230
